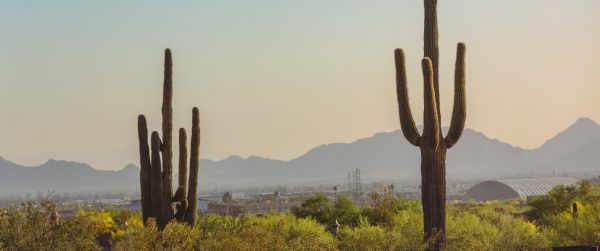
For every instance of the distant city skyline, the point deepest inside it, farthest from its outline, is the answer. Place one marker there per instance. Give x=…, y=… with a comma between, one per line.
x=275, y=79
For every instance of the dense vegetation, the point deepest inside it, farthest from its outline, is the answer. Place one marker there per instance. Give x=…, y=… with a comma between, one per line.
x=388, y=224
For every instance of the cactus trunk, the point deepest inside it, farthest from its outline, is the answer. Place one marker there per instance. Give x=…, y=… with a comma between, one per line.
x=156, y=173
x=433, y=192
x=432, y=143
x=190, y=215
x=183, y=170
x=167, y=136
x=144, y=168
x=156, y=182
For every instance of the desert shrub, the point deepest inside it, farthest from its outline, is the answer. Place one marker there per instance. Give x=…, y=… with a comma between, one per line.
x=518, y=234
x=466, y=231
x=564, y=229
x=33, y=227
x=140, y=238
x=404, y=232
x=176, y=236
x=385, y=206
x=364, y=237
x=284, y=231
x=554, y=214
x=179, y=236
x=506, y=229
x=409, y=224
x=109, y=224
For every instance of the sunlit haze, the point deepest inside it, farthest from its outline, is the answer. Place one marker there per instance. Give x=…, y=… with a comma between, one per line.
x=276, y=78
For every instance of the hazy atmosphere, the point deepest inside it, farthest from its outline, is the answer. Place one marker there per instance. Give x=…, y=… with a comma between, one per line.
x=437, y=125
x=276, y=78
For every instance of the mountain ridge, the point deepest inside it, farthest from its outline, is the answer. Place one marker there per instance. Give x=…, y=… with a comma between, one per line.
x=385, y=155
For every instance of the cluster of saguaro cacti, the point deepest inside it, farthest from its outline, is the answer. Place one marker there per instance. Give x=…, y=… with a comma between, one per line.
x=432, y=143
x=156, y=171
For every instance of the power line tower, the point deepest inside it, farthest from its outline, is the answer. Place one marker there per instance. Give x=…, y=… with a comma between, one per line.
x=356, y=187
x=350, y=186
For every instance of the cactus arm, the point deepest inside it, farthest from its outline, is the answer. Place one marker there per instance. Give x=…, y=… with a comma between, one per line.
x=431, y=125
x=190, y=215
x=459, y=112
x=179, y=203
x=406, y=119
x=156, y=178
x=145, y=167
x=183, y=170
x=430, y=45
x=167, y=129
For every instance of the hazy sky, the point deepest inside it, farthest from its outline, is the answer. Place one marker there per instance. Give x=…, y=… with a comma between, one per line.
x=276, y=78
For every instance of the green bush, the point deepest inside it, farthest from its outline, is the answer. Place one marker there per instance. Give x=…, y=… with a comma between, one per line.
x=32, y=227
x=566, y=230
x=385, y=206
x=176, y=236
x=345, y=212
x=518, y=234
x=284, y=231
x=404, y=233
x=504, y=229
x=275, y=231
x=365, y=238
x=561, y=198
x=317, y=206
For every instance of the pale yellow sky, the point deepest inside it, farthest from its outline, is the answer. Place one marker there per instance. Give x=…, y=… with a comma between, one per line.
x=275, y=78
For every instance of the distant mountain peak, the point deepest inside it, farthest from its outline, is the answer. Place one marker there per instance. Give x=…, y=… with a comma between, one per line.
x=582, y=132
x=129, y=167
x=232, y=159
x=581, y=128
x=7, y=163
x=52, y=163
x=585, y=122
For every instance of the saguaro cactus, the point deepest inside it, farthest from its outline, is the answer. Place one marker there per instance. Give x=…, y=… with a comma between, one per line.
x=432, y=144
x=156, y=173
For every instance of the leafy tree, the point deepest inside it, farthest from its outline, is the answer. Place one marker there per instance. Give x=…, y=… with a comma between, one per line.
x=385, y=206
x=561, y=198
x=345, y=211
x=317, y=206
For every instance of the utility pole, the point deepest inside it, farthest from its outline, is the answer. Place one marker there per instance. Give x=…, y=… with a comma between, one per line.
x=335, y=192
x=277, y=201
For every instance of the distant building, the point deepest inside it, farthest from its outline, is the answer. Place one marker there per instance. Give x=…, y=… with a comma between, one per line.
x=514, y=188
x=136, y=205
x=222, y=209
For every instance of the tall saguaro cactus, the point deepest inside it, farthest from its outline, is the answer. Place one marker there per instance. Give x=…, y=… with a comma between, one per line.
x=156, y=162
x=432, y=144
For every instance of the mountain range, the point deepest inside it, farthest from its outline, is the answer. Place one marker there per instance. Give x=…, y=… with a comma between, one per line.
x=384, y=156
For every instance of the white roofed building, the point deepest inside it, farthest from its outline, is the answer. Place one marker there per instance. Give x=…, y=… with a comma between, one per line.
x=514, y=188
